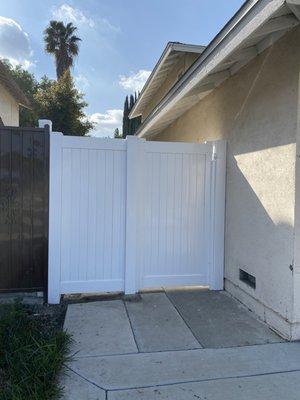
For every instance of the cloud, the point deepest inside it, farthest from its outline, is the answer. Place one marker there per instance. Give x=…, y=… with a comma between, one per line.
x=106, y=26
x=81, y=82
x=14, y=43
x=105, y=124
x=134, y=82
x=67, y=13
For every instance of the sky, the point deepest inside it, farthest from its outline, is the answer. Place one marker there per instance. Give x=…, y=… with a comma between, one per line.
x=121, y=42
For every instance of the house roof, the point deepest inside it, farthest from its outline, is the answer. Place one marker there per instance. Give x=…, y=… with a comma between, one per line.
x=9, y=83
x=172, y=53
x=256, y=26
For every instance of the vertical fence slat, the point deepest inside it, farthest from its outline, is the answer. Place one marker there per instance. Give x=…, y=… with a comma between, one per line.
x=218, y=216
x=54, y=263
x=6, y=277
x=134, y=202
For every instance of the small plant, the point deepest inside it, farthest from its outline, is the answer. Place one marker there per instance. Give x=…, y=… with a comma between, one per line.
x=32, y=353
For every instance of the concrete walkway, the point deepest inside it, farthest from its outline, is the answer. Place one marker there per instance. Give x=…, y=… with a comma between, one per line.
x=179, y=345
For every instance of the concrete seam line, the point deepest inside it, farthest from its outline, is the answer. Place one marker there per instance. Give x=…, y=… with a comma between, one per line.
x=162, y=351
x=86, y=379
x=108, y=355
x=204, y=380
x=182, y=350
x=131, y=326
x=170, y=300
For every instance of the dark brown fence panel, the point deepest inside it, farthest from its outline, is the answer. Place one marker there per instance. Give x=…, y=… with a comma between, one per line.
x=24, y=183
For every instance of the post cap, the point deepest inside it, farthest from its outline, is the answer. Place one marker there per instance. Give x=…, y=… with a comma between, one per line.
x=44, y=122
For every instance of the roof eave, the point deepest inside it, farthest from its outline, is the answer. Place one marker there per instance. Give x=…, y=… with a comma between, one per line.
x=12, y=87
x=133, y=113
x=171, y=46
x=238, y=30
x=26, y=104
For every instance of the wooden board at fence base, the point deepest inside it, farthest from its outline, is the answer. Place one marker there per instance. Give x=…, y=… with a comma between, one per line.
x=24, y=182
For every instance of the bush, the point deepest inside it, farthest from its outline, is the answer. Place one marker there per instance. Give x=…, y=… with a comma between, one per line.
x=32, y=353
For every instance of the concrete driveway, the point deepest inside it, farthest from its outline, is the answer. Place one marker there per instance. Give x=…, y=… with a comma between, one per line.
x=177, y=345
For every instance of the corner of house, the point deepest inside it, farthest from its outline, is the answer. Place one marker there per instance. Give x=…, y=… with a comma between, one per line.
x=296, y=265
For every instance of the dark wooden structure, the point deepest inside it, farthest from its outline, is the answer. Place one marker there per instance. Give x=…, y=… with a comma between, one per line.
x=24, y=189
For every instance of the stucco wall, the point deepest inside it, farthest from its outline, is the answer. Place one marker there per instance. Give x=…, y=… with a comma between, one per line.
x=181, y=66
x=9, y=108
x=256, y=111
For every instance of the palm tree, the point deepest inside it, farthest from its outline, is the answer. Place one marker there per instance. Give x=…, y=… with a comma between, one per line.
x=62, y=43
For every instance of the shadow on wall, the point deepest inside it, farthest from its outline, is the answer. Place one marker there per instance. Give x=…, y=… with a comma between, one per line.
x=260, y=122
x=258, y=240
x=256, y=111
x=258, y=108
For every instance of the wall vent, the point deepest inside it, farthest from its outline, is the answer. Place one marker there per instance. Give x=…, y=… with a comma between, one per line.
x=248, y=279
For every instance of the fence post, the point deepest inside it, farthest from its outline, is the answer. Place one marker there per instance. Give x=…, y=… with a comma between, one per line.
x=134, y=201
x=45, y=122
x=55, y=177
x=218, y=183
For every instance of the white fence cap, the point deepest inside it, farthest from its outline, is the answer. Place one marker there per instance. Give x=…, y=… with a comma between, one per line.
x=44, y=122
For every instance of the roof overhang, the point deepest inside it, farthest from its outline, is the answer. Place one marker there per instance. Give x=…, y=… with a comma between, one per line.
x=11, y=86
x=170, y=56
x=255, y=27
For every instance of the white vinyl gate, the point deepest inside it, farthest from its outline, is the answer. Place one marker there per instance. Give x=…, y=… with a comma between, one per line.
x=132, y=214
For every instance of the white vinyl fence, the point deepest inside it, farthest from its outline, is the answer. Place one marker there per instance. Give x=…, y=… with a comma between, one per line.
x=130, y=214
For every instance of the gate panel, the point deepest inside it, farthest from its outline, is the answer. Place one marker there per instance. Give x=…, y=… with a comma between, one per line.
x=130, y=214
x=177, y=209
x=93, y=199
x=24, y=180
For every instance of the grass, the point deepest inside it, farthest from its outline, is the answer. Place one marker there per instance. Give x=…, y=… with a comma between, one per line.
x=32, y=353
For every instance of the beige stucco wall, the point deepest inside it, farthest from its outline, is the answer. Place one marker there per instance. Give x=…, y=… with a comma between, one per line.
x=181, y=66
x=9, y=108
x=256, y=111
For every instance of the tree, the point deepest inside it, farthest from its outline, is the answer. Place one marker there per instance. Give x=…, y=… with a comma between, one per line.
x=131, y=121
x=125, y=118
x=58, y=101
x=63, y=104
x=117, y=134
x=61, y=41
x=130, y=126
